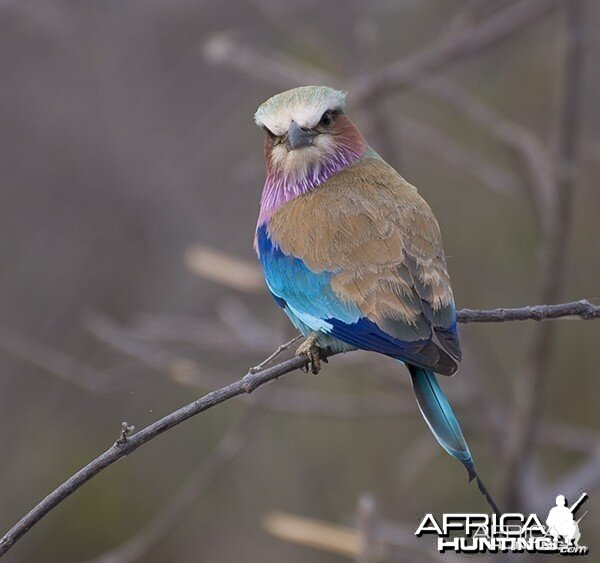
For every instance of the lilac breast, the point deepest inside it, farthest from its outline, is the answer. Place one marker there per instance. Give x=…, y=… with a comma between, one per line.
x=279, y=189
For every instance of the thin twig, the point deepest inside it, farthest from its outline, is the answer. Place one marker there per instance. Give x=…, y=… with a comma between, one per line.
x=246, y=384
x=280, y=349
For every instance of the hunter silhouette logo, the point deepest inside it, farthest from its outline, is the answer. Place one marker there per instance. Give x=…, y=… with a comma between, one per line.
x=510, y=532
x=561, y=521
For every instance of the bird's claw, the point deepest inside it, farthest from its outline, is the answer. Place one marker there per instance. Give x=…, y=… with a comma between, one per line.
x=313, y=353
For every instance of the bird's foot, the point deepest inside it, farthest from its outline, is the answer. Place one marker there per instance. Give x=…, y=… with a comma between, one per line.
x=313, y=353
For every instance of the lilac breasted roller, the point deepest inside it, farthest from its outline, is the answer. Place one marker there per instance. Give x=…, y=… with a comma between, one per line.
x=353, y=254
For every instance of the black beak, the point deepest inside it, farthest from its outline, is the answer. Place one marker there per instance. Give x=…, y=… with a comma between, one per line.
x=299, y=137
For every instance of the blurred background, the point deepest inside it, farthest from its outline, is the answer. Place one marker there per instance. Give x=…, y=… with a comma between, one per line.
x=131, y=173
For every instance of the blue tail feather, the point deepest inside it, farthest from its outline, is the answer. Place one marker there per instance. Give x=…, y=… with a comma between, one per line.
x=440, y=418
x=438, y=414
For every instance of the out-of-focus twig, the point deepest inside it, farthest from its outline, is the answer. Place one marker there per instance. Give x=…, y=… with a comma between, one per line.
x=346, y=541
x=186, y=371
x=188, y=494
x=53, y=361
x=313, y=533
x=379, y=127
x=305, y=36
x=218, y=266
x=470, y=12
x=453, y=153
x=223, y=48
x=202, y=333
x=550, y=433
x=234, y=329
x=451, y=47
x=585, y=477
x=540, y=186
x=370, y=548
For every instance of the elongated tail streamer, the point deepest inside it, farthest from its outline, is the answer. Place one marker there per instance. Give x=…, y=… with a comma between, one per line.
x=442, y=421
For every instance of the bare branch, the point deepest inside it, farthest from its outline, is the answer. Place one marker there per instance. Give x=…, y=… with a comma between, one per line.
x=576, y=309
x=246, y=384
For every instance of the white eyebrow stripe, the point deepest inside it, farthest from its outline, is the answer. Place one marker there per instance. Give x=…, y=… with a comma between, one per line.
x=279, y=122
x=304, y=105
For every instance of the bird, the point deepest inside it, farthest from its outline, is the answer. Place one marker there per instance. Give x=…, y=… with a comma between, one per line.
x=353, y=254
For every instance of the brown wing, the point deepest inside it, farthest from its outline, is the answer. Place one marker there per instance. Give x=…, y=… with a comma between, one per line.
x=382, y=243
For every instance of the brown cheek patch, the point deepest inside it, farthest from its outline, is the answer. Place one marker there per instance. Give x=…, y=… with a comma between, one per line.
x=267, y=149
x=348, y=133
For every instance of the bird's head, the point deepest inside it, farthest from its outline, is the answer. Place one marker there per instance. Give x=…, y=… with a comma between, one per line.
x=308, y=137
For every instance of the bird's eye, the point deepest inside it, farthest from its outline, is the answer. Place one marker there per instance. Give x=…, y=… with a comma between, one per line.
x=326, y=118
